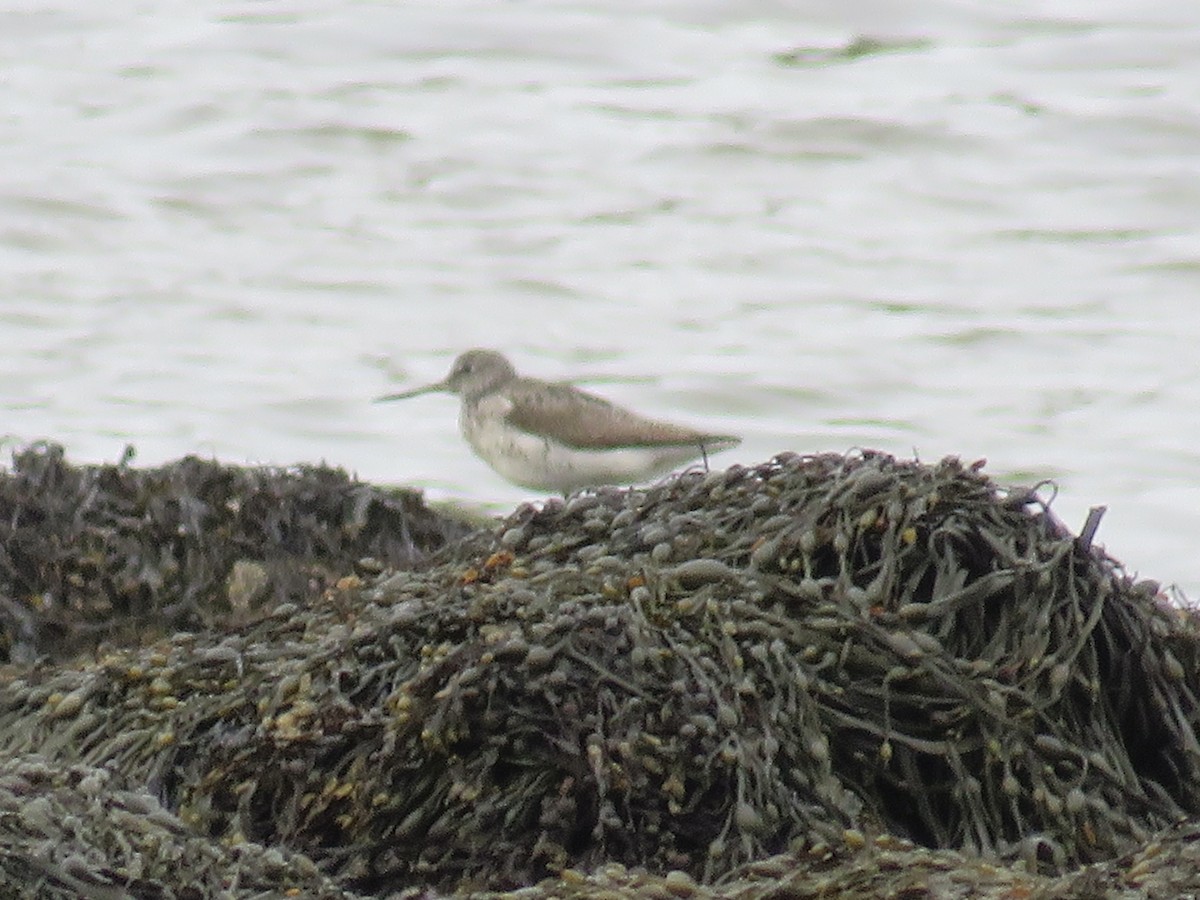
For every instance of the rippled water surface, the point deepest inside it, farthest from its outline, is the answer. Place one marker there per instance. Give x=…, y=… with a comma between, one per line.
x=939, y=227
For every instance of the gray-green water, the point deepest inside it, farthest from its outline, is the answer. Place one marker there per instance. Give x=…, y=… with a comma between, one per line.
x=943, y=227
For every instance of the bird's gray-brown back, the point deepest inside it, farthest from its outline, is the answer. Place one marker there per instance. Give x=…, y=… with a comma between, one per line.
x=576, y=418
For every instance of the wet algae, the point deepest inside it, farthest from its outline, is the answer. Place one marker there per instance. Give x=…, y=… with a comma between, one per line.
x=824, y=675
x=113, y=553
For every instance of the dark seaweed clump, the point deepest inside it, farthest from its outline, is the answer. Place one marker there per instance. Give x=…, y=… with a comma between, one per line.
x=686, y=679
x=93, y=553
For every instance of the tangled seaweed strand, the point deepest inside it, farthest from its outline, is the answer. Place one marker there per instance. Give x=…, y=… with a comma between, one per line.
x=96, y=553
x=688, y=678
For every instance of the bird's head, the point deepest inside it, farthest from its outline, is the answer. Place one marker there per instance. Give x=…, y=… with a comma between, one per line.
x=474, y=373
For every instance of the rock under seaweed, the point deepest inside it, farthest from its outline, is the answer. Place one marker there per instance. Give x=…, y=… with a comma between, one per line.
x=798, y=677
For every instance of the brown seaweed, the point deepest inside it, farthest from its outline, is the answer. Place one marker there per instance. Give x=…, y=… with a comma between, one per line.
x=823, y=657
x=96, y=553
x=72, y=831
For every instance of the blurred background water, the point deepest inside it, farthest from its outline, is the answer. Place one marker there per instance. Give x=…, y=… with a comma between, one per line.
x=943, y=227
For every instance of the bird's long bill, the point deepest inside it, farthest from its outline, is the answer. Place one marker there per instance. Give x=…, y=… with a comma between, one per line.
x=416, y=392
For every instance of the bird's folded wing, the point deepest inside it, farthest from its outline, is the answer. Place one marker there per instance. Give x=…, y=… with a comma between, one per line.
x=578, y=419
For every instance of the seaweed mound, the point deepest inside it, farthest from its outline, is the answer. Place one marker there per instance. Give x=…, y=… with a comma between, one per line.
x=93, y=553
x=687, y=679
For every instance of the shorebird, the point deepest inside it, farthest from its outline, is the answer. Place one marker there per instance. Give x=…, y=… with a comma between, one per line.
x=551, y=436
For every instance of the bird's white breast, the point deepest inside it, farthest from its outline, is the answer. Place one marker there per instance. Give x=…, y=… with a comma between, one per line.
x=542, y=464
